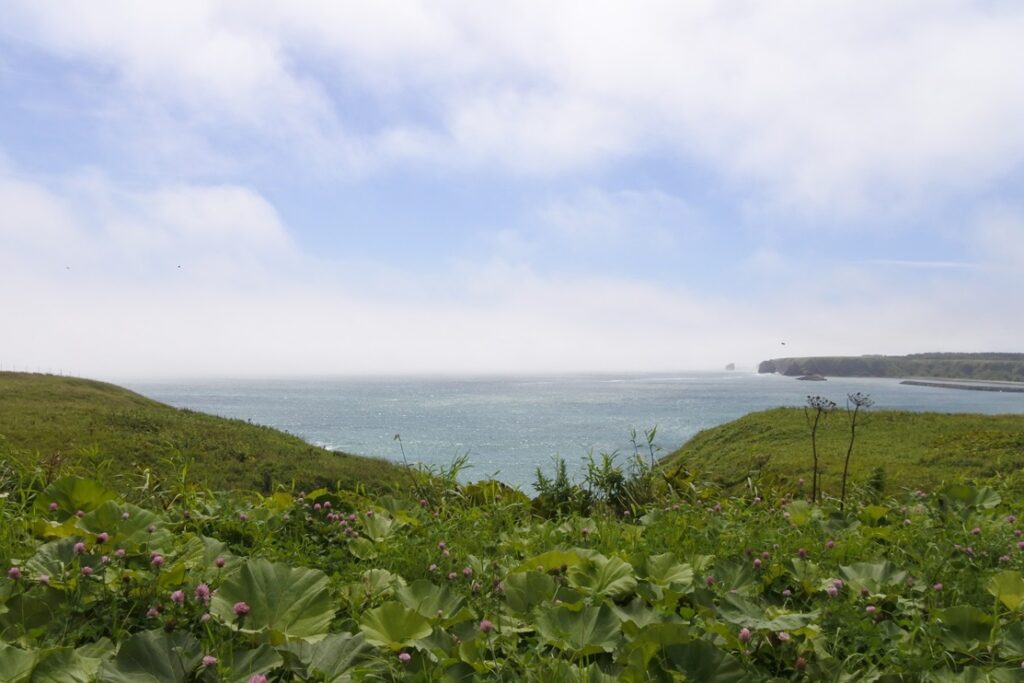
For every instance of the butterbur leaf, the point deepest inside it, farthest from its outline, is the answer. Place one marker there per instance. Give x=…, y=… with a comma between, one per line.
x=702, y=661
x=153, y=657
x=337, y=654
x=72, y=494
x=244, y=663
x=663, y=570
x=64, y=665
x=600, y=575
x=393, y=625
x=1008, y=587
x=430, y=600
x=553, y=560
x=964, y=628
x=875, y=576
x=284, y=602
x=588, y=631
x=127, y=533
x=525, y=590
x=15, y=665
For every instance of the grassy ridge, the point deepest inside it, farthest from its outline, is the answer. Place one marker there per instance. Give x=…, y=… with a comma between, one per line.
x=915, y=449
x=978, y=366
x=86, y=426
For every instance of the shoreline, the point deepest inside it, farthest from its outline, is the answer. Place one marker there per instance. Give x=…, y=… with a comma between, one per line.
x=1006, y=387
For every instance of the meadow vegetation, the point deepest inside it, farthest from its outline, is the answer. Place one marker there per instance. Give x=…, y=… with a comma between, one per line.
x=94, y=428
x=636, y=571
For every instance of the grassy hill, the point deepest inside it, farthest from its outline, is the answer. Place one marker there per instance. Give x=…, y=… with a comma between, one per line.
x=67, y=424
x=915, y=449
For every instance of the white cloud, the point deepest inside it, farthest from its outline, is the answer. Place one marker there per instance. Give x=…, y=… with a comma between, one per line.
x=828, y=107
x=248, y=304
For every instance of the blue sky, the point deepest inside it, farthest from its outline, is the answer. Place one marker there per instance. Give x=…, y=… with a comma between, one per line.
x=255, y=188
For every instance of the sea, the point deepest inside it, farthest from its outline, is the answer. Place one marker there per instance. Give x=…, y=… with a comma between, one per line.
x=507, y=427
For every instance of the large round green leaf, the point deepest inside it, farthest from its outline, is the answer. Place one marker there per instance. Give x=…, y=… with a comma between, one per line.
x=525, y=590
x=126, y=532
x=430, y=600
x=284, y=602
x=15, y=665
x=1008, y=587
x=394, y=625
x=603, y=576
x=588, y=631
x=72, y=494
x=153, y=657
x=702, y=661
x=336, y=655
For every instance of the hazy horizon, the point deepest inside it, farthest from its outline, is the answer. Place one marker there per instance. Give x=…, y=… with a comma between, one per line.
x=207, y=189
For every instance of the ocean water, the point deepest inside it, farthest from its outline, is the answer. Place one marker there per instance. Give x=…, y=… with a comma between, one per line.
x=509, y=426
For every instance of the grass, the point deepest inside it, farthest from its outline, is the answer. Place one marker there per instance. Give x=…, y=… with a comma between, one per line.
x=65, y=424
x=916, y=450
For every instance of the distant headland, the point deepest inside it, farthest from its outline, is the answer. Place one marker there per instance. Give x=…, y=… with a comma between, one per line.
x=978, y=367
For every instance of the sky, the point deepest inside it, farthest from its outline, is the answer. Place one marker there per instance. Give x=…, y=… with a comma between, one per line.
x=319, y=188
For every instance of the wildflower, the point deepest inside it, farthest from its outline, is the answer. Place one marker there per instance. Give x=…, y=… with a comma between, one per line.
x=441, y=545
x=53, y=507
x=14, y=573
x=783, y=636
x=937, y=586
x=744, y=635
x=445, y=552
x=870, y=609
x=327, y=504
x=317, y=507
x=178, y=597
x=79, y=514
x=102, y=537
x=241, y=609
x=152, y=612
x=209, y=660
x=1011, y=519
x=486, y=626
x=105, y=559
x=404, y=657
x=452, y=576
x=976, y=531
x=423, y=502
x=585, y=531
x=787, y=593
x=757, y=499
x=86, y=571
x=757, y=563
x=206, y=617
x=202, y=593
x=257, y=678
x=1004, y=558
x=1017, y=532
x=242, y=517
x=765, y=555
x=432, y=568
x=151, y=528
x=475, y=587
x=119, y=553
x=802, y=553
x=219, y=562
x=467, y=572
x=906, y=522
x=832, y=591
x=125, y=515
x=709, y=580
x=79, y=548
x=800, y=664
x=830, y=544
x=157, y=560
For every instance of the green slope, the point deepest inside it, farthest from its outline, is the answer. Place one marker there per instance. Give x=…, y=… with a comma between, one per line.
x=915, y=449
x=84, y=426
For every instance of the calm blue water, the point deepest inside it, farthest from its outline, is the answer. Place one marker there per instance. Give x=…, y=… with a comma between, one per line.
x=510, y=426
